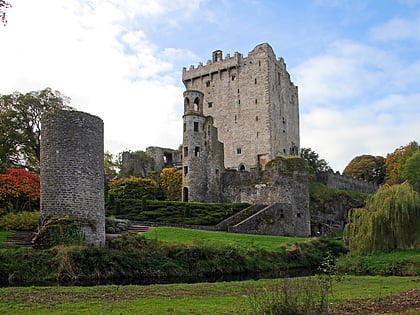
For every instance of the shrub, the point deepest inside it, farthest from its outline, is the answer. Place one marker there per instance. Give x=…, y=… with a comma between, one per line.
x=21, y=221
x=114, y=225
x=133, y=187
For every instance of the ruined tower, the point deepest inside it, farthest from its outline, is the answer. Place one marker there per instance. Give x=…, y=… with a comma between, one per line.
x=253, y=103
x=202, y=153
x=72, y=171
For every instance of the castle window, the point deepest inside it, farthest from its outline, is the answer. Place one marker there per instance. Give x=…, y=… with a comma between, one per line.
x=257, y=133
x=298, y=215
x=196, y=104
x=185, y=170
x=185, y=151
x=236, y=118
x=233, y=77
x=185, y=127
x=242, y=167
x=256, y=101
x=238, y=151
x=208, y=83
x=238, y=91
x=259, y=63
x=255, y=81
x=210, y=104
x=239, y=102
x=195, y=125
x=197, y=151
x=186, y=104
x=256, y=118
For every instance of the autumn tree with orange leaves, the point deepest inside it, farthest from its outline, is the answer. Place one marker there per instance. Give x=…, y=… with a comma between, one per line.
x=171, y=183
x=19, y=190
x=395, y=162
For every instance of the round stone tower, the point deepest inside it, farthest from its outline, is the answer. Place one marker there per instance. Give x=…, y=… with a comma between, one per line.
x=72, y=171
x=194, y=168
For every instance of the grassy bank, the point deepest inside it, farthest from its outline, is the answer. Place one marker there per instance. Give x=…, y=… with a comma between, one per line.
x=248, y=241
x=4, y=235
x=137, y=259
x=400, y=263
x=201, y=298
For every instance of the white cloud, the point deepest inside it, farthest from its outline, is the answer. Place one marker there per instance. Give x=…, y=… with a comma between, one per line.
x=397, y=29
x=91, y=52
x=345, y=71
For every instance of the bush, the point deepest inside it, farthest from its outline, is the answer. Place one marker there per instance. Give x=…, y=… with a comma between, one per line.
x=21, y=221
x=114, y=225
x=133, y=187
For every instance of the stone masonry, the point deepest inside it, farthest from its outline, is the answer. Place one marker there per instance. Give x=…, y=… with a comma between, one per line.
x=72, y=171
x=253, y=103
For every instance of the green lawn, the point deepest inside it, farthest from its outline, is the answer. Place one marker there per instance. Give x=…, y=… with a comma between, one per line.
x=4, y=235
x=200, y=298
x=189, y=236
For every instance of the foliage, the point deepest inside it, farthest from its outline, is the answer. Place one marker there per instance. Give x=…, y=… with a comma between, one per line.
x=390, y=220
x=20, y=126
x=399, y=263
x=174, y=211
x=21, y=221
x=171, y=183
x=59, y=231
x=320, y=193
x=367, y=167
x=114, y=225
x=314, y=162
x=3, y=6
x=111, y=166
x=133, y=187
x=292, y=296
x=411, y=170
x=395, y=162
x=19, y=189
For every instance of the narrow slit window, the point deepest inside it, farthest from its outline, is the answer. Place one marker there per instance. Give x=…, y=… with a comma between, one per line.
x=185, y=151
x=195, y=125
x=197, y=151
x=185, y=170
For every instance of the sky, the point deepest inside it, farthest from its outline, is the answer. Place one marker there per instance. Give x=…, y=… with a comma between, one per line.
x=356, y=64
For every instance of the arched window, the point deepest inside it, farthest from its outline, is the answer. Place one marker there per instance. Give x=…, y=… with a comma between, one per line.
x=197, y=104
x=186, y=104
x=242, y=167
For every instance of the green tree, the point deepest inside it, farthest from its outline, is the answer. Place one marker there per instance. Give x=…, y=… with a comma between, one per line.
x=20, y=126
x=133, y=188
x=395, y=162
x=411, y=170
x=111, y=166
x=367, y=167
x=3, y=6
x=314, y=162
x=390, y=220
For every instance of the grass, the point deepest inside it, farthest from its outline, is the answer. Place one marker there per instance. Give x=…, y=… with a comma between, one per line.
x=200, y=298
x=249, y=241
x=400, y=262
x=4, y=235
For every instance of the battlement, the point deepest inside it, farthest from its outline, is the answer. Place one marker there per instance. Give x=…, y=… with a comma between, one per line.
x=343, y=181
x=218, y=63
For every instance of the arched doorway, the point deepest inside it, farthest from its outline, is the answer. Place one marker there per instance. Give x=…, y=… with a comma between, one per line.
x=185, y=194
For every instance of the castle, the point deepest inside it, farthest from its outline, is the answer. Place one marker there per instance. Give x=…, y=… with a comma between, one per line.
x=239, y=113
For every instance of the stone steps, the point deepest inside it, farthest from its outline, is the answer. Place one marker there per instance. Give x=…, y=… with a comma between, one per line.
x=139, y=229
x=23, y=238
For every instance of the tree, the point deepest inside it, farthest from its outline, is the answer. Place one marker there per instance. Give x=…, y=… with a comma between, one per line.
x=367, y=167
x=19, y=189
x=390, y=220
x=411, y=170
x=133, y=188
x=3, y=6
x=314, y=162
x=171, y=183
x=20, y=126
x=395, y=161
x=111, y=166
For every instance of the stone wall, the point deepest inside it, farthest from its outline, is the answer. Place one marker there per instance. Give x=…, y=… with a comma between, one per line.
x=338, y=181
x=253, y=103
x=72, y=171
x=283, y=182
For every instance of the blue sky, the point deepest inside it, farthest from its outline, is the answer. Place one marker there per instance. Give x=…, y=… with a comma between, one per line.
x=356, y=63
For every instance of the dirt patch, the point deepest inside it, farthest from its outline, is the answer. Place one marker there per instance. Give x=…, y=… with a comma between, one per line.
x=405, y=301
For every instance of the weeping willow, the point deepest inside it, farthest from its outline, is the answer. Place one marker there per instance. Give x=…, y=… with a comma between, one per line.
x=390, y=220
